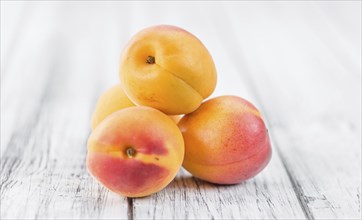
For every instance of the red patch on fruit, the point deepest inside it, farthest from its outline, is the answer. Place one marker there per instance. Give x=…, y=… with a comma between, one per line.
x=248, y=136
x=129, y=176
x=152, y=145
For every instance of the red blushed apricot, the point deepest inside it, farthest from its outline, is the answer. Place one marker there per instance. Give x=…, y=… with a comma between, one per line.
x=226, y=141
x=135, y=151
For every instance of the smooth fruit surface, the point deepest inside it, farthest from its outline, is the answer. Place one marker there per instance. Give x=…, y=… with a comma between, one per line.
x=112, y=100
x=226, y=141
x=167, y=68
x=135, y=151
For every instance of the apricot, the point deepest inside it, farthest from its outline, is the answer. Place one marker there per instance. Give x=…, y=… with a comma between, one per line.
x=112, y=100
x=167, y=68
x=226, y=141
x=135, y=151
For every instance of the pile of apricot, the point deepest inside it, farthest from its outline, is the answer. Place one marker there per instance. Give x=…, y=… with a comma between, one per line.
x=155, y=121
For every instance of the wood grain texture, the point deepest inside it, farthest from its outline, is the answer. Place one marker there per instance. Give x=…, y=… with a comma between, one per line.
x=314, y=110
x=300, y=63
x=50, y=98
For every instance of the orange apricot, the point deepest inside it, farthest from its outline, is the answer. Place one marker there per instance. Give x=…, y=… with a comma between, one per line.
x=226, y=141
x=167, y=68
x=112, y=100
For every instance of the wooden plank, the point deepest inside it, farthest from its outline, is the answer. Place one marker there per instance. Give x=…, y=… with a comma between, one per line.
x=269, y=195
x=43, y=171
x=311, y=94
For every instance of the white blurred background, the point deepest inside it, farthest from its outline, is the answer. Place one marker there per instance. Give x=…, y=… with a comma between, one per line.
x=299, y=46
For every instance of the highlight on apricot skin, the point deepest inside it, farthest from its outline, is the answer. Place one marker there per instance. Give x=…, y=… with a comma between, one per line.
x=167, y=68
x=136, y=151
x=226, y=141
x=175, y=118
x=112, y=100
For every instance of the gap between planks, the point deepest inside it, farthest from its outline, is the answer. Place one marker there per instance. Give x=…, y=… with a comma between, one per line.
x=130, y=208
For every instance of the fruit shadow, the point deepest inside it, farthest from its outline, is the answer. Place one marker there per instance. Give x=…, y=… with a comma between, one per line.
x=189, y=187
x=185, y=181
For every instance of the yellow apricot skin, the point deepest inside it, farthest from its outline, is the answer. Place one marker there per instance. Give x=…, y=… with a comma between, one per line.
x=110, y=101
x=167, y=68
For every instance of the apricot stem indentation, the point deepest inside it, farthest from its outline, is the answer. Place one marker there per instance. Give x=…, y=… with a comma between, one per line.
x=150, y=60
x=131, y=152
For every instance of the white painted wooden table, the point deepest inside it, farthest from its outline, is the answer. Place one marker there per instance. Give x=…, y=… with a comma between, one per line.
x=299, y=62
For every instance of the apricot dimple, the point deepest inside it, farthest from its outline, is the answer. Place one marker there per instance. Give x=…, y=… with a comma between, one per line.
x=151, y=60
x=131, y=152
